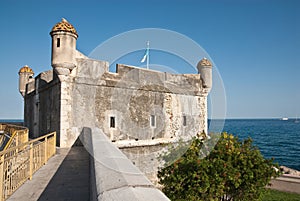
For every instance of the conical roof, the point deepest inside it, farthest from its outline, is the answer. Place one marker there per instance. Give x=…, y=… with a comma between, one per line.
x=64, y=25
x=26, y=69
x=205, y=62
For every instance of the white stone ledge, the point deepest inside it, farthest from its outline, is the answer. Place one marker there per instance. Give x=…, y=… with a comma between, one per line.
x=289, y=178
x=141, y=143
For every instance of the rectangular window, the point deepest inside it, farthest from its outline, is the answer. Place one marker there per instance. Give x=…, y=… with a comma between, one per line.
x=58, y=42
x=184, y=121
x=112, y=122
x=152, y=120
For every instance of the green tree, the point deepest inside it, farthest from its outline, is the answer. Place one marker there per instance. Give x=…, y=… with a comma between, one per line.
x=234, y=170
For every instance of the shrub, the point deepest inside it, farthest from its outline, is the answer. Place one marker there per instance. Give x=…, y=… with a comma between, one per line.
x=234, y=170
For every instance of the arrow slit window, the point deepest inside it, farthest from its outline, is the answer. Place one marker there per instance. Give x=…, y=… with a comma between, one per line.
x=112, y=122
x=152, y=121
x=58, y=42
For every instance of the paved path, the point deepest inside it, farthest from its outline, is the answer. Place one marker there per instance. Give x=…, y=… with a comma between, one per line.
x=64, y=178
x=288, y=183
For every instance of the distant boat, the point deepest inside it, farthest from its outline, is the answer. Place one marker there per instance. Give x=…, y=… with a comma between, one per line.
x=284, y=119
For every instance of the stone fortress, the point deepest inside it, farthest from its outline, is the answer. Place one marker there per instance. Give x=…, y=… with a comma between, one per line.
x=140, y=111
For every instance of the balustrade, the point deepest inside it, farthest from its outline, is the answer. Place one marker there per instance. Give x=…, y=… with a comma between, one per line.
x=21, y=160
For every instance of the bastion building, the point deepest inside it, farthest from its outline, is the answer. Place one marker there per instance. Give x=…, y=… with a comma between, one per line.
x=139, y=110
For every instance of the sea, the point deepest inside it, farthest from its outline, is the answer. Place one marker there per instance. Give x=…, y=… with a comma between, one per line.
x=275, y=138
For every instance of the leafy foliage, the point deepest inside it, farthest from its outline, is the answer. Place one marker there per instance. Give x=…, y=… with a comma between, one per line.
x=234, y=170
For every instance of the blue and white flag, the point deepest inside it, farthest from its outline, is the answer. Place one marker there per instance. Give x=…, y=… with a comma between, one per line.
x=145, y=56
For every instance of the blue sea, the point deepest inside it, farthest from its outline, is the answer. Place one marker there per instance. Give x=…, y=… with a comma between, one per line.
x=275, y=138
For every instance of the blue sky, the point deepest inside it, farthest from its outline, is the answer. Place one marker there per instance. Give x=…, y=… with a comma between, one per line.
x=255, y=44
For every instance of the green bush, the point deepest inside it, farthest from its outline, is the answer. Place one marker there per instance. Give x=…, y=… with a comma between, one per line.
x=234, y=170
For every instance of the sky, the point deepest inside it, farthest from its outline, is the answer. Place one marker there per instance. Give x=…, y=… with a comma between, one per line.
x=254, y=44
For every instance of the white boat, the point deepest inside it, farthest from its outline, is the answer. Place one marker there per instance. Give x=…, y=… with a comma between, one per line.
x=284, y=119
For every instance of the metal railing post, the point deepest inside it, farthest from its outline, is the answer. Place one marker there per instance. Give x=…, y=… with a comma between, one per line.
x=1, y=178
x=30, y=160
x=45, y=151
x=54, y=144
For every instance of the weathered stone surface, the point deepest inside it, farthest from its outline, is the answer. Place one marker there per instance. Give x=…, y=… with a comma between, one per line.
x=146, y=158
x=42, y=106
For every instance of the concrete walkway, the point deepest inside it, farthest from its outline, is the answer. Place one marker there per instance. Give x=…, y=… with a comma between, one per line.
x=287, y=183
x=65, y=177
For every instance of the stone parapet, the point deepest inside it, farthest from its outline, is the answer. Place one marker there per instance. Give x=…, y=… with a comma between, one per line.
x=95, y=72
x=41, y=82
x=113, y=176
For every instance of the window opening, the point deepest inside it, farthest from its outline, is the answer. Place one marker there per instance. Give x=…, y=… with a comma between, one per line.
x=58, y=42
x=152, y=121
x=112, y=122
x=184, y=121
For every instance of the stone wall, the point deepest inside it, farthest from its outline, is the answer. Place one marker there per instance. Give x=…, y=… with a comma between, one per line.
x=146, y=158
x=42, y=106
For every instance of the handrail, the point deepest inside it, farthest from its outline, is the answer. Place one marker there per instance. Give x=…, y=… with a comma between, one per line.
x=17, y=135
x=13, y=126
x=26, y=143
x=19, y=163
x=10, y=139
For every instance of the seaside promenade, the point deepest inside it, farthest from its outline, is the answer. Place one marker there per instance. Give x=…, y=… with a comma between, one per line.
x=65, y=177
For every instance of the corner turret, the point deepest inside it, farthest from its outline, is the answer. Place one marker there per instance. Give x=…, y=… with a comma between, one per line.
x=205, y=69
x=64, y=37
x=25, y=76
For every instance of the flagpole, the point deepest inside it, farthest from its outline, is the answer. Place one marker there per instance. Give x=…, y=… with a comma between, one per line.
x=148, y=44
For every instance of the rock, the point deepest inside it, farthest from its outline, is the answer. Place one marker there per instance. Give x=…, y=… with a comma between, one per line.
x=287, y=170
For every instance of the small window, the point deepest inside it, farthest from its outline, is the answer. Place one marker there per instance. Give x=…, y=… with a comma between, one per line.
x=184, y=121
x=152, y=120
x=112, y=122
x=58, y=42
